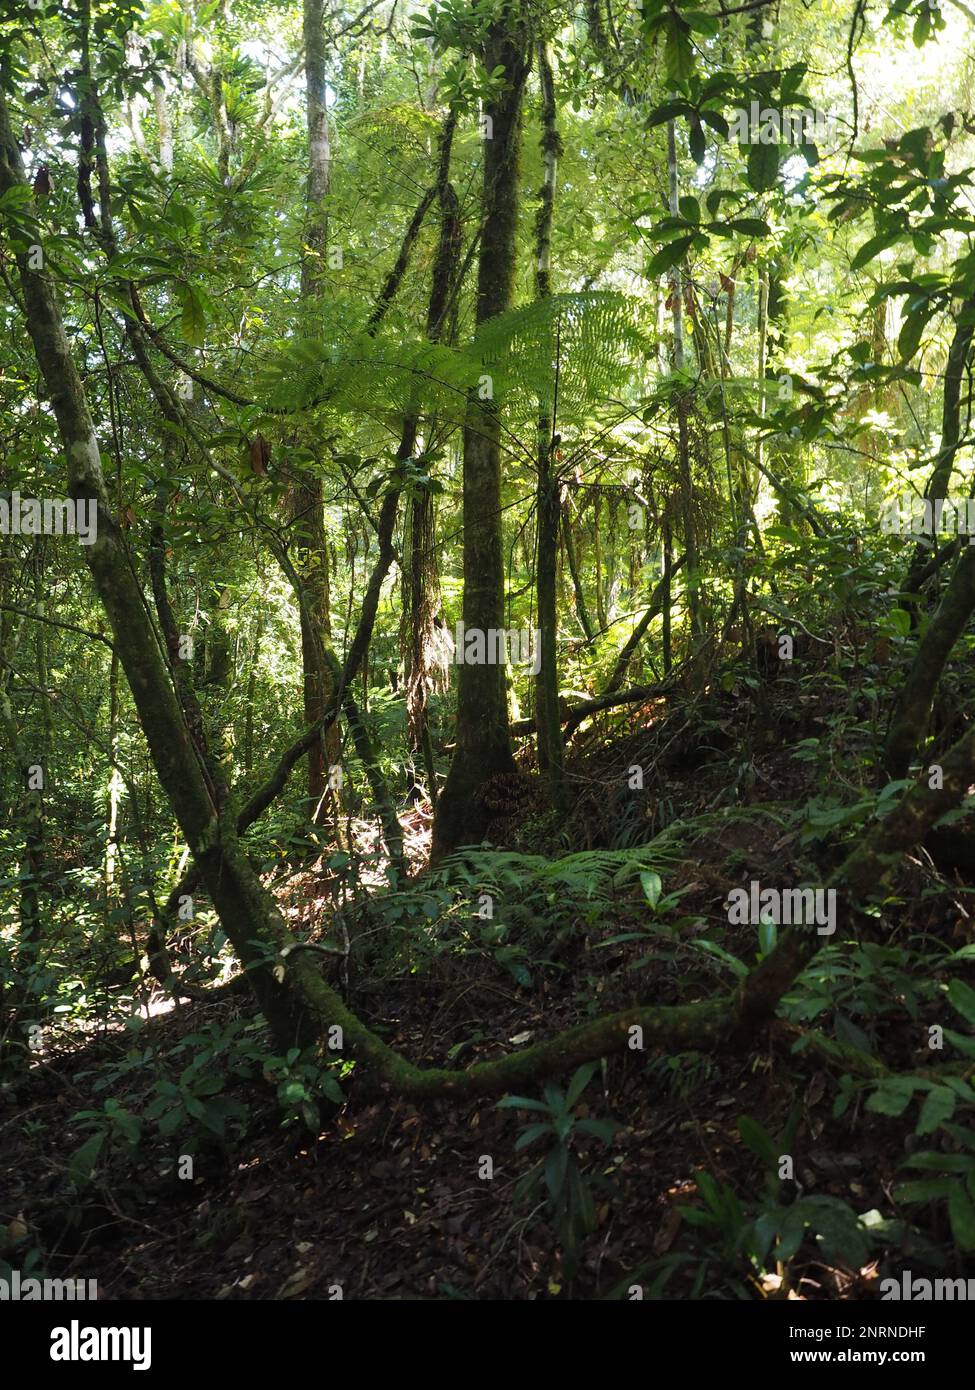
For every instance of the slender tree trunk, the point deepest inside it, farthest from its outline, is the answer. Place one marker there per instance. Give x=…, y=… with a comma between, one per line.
x=29, y=773
x=657, y=604
x=309, y=550
x=307, y=499
x=319, y=150
x=910, y=718
x=251, y=694
x=762, y=353
x=483, y=748
x=423, y=657
x=164, y=125
x=666, y=638
x=686, y=482
x=115, y=780
x=958, y=355
x=551, y=752
x=582, y=610
x=247, y=913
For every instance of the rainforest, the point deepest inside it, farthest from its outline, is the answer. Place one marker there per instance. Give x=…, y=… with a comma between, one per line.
x=487, y=659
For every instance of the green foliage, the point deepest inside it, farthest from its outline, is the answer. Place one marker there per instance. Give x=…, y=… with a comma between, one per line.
x=940, y=1101
x=558, y=1180
x=770, y=1232
x=855, y=986
x=303, y=1084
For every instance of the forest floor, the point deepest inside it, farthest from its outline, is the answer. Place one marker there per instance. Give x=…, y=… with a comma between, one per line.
x=387, y=1200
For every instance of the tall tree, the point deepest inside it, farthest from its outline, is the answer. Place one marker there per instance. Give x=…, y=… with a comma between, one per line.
x=309, y=542
x=483, y=742
x=551, y=753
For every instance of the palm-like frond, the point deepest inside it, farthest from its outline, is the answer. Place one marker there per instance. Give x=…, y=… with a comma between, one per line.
x=579, y=347
x=575, y=348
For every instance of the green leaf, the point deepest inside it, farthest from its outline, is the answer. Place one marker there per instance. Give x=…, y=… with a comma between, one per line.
x=941, y=1163
x=194, y=320
x=738, y=966
x=522, y=1103
x=962, y=998
x=209, y=1086
x=964, y=1044
x=900, y=620
x=651, y=886
x=330, y=1088
x=694, y=1216
x=696, y=142
x=667, y=110
x=791, y=1232
x=762, y=167
x=668, y=256
x=529, y=1134
x=717, y=122
x=678, y=50
x=702, y=23
x=749, y=226
x=872, y=248
x=893, y=1096
x=555, y=1169
x=909, y=338
x=171, y=1121
x=924, y=1190
x=601, y=1129
x=758, y=1139
x=129, y=1124
x=939, y=1105
x=83, y=1162
x=768, y=934
x=579, y=1082
x=961, y=1214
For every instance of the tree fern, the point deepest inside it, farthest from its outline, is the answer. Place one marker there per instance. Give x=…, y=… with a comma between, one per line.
x=577, y=347
x=573, y=348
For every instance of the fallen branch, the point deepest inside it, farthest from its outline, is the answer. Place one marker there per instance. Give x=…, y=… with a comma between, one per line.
x=573, y=715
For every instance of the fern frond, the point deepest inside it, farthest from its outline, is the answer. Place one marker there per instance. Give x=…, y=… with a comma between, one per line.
x=581, y=347
x=577, y=348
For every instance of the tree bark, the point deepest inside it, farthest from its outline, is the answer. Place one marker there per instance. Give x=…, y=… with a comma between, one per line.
x=683, y=404
x=483, y=746
x=958, y=355
x=551, y=753
x=913, y=709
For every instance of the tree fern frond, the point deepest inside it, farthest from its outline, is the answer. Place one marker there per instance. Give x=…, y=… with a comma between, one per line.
x=576, y=347
x=580, y=346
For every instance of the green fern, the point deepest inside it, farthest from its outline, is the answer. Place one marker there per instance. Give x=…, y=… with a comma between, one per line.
x=590, y=874
x=579, y=347
x=576, y=347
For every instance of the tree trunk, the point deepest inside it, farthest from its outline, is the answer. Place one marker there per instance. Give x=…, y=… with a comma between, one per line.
x=910, y=719
x=307, y=503
x=683, y=441
x=551, y=752
x=483, y=741
x=955, y=371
